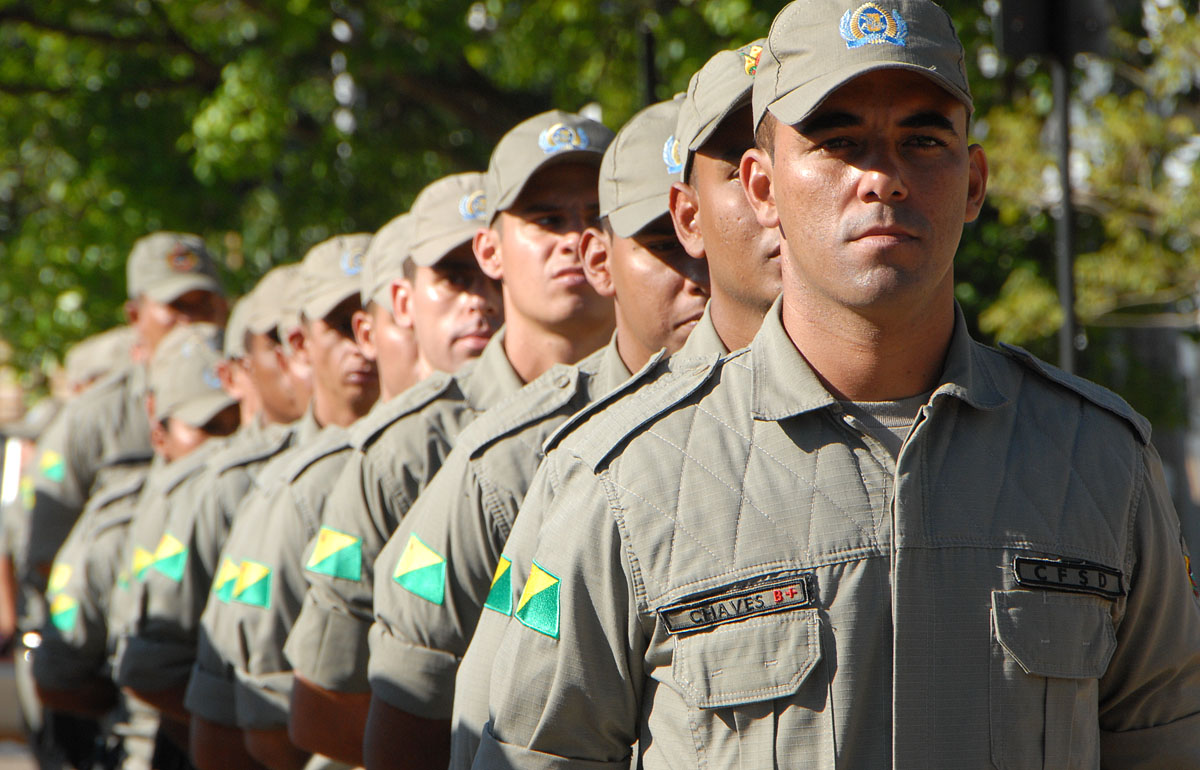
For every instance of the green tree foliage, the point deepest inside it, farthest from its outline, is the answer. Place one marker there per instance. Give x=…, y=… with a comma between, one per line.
x=267, y=125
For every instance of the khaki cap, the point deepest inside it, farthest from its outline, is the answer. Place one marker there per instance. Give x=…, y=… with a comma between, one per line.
x=638, y=169
x=447, y=214
x=36, y=420
x=816, y=46
x=235, y=328
x=269, y=300
x=99, y=354
x=183, y=375
x=718, y=89
x=164, y=266
x=385, y=258
x=331, y=272
x=543, y=140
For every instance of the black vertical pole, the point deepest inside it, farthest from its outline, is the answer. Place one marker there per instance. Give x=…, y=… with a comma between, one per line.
x=1064, y=240
x=649, y=71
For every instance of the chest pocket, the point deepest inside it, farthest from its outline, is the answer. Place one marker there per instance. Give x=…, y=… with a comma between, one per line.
x=749, y=682
x=1049, y=650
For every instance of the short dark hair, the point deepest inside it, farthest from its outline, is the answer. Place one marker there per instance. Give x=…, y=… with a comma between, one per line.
x=764, y=135
x=409, y=269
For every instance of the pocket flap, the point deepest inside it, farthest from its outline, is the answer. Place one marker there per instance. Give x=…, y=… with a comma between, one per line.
x=1055, y=635
x=749, y=661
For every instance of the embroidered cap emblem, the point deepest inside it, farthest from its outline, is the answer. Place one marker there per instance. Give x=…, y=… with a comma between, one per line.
x=211, y=379
x=871, y=25
x=352, y=262
x=472, y=206
x=560, y=138
x=751, y=56
x=1076, y=576
x=746, y=599
x=671, y=157
x=181, y=260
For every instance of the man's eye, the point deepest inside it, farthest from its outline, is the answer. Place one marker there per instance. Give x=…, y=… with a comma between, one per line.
x=926, y=141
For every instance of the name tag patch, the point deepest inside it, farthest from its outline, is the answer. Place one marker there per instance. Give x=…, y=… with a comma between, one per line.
x=748, y=599
x=1078, y=576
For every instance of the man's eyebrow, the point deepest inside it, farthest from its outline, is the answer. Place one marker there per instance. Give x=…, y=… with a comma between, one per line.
x=828, y=121
x=928, y=119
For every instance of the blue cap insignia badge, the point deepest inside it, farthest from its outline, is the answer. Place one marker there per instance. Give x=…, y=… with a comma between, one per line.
x=560, y=137
x=871, y=25
x=671, y=155
x=352, y=262
x=472, y=206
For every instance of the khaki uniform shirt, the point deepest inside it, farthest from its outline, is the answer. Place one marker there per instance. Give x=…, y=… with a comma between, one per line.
x=397, y=455
x=210, y=692
x=105, y=426
x=269, y=542
x=75, y=641
x=160, y=647
x=732, y=572
x=470, y=707
x=461, y=522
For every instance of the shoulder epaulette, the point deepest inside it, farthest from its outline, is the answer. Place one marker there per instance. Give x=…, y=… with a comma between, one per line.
x=330, y=440
x=240, y=455
x=1096, y=394
x=111, y=517
x=549, y=393
x=111, y=493
x=655, y=367
x=184, y=468
x=624, y=415
x=367, y=430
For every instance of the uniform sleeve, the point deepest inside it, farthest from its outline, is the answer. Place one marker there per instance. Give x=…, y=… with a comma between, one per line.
x=420, y=635
x=1150, y=694
x=264, y=677
x=568, y=674
x=75, y=646
x=160, y=647
x=328, y=644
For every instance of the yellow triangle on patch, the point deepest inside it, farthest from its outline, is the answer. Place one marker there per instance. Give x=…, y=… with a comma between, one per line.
x=329, y=542
x=167, y=547
x=228, y=571
x=539, y=580
x=416, y=556
x=141, y=560
x=250, y=573
x=59, y=575
x=62, y=603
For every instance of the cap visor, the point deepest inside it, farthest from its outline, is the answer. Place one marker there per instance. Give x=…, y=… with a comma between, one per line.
x=197, y=412
x=170, y=290
x=431, y=252
x=627, y=221
x=796, y=105
x=588, y=157
x=322, y=305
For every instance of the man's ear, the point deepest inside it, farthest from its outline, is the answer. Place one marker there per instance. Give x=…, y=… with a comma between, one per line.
x=685, y=215
x=402, y=302
x=756, y=172
x=596, y=249
x=224, y=369
x=486, y=246
x=977, y=182
x=362, y=325
x=298, y=342
x=131, y=311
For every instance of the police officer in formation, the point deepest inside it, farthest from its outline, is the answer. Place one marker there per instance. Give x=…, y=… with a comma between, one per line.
x=662, y=449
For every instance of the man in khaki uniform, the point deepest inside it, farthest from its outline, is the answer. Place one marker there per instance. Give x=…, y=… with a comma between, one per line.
x=715, y=223
x=712, y=217
x=344, y=385
x=95, y=357
x=92, y=574
x=540, y=196
x=171, y=279
x=422, y=626
x=807, y=552
x=157, y=647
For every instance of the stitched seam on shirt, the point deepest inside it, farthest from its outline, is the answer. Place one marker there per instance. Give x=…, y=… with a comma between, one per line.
x=809, y=483
x=679, y=526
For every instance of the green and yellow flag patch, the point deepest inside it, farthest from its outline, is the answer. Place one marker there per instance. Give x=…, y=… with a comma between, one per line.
x=64, y=611
x=538, y=606
x=28, y=492
x=336, y=554
x=253, y=585
x=170, y=558
x=226, y=579
x=142, y=561
x=499, y=598
x=59, y=575
x=52, y=466
x=422, y=571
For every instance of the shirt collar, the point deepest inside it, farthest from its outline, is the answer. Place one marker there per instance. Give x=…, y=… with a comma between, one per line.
x=491, y=377
x=784, y=385
x=704, y=339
